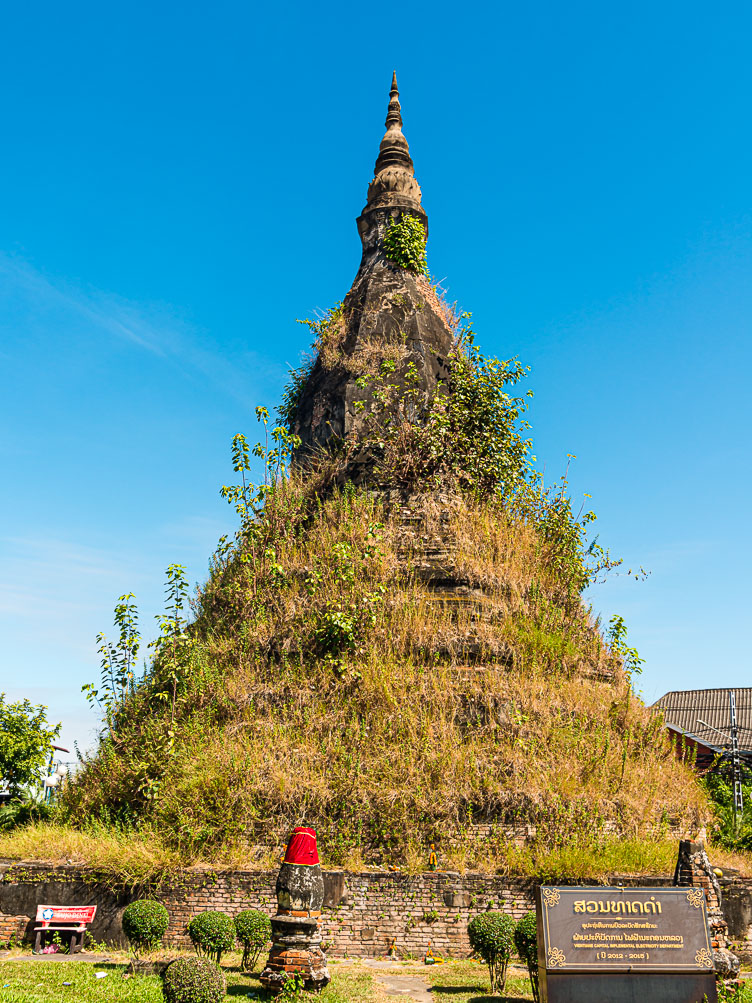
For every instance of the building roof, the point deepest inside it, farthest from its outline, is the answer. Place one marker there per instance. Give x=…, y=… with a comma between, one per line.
x=684, y=709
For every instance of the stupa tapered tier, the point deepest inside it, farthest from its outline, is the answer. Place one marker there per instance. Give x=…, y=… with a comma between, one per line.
x=389, y=313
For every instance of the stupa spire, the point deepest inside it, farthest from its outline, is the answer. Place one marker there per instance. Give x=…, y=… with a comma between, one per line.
x=394, y=104
x=394, y=185
x=394, y=148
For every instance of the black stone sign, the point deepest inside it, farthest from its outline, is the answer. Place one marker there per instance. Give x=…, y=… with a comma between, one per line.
x=624, y=945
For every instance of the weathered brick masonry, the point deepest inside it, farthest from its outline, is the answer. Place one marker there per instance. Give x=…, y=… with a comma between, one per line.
x=361, y=914
x=12, y=928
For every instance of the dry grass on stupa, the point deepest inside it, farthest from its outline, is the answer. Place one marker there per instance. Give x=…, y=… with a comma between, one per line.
x=334, y=682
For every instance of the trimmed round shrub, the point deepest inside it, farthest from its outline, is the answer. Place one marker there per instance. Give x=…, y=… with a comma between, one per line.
x=144, y=923
x=491, y=936
x=254, y=931
x=526, y=942
x=193, y=980
x=212, y=933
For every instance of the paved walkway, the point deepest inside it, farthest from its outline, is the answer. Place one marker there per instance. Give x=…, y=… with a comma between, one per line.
x=393, y=984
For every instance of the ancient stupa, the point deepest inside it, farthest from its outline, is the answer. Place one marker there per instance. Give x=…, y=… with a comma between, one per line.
x=393, y=662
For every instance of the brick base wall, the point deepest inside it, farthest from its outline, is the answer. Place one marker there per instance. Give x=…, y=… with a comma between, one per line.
x=362, y=912
x=12, y=929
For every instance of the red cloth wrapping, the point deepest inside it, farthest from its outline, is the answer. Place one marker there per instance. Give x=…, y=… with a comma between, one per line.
x=302, y=847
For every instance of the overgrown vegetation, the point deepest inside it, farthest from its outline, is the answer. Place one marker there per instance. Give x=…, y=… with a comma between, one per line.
x=318, y=652
x=324, y=674
x=404, y=243
x=327, y=331
x=121, y=852
x=144, y=857
x=731, y=830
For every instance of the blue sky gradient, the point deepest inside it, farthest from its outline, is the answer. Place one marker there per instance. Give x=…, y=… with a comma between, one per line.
x=179, y=183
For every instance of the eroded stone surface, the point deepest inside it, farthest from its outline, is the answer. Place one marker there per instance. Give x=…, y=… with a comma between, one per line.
x=388, y=314
x=693, y=868
x=296, y=943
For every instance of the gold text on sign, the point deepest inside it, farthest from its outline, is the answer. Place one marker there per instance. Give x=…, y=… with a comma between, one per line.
x=620, y=906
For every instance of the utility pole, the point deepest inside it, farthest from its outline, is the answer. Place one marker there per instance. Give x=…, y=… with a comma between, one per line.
x=736, y=763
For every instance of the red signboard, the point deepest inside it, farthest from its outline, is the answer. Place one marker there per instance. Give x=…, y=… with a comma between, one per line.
x=65, y=913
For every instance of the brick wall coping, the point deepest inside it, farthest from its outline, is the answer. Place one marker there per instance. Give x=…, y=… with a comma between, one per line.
x=362, y=913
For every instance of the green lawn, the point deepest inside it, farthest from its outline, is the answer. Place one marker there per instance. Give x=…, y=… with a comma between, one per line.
x=32, y=981
x=452, y=982
x=468, y=982
x=43, y=982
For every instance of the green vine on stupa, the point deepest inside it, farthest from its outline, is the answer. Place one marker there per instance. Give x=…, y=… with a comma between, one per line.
x=405, y=244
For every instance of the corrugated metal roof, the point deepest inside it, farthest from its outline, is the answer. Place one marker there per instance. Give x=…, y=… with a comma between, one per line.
x=682, y=708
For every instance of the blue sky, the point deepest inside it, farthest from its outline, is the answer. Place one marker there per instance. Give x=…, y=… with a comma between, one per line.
x=179, y=183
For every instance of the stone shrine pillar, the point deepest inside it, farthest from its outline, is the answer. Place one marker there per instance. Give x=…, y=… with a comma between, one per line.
x=296, y=945
x=693, y=868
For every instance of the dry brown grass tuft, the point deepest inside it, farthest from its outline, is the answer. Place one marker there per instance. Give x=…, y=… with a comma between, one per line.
x=129, y=856
x=435, y=297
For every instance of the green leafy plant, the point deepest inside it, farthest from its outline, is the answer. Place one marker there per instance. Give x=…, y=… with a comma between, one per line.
x=468, y=434
x=144, y=924
x=27, y=807
x=93, y=945
x=247, y=497
x=730, y=992
x=194, y=980
x=212, y=933
x=617, y=642
x=25, y=744
x=526, y=943
x=730, y=830
x=292, y=988
x=491, y=936
x=57, y=940
x=405, y=243
x=118, y=662
x=174, y=645
x=253, y=930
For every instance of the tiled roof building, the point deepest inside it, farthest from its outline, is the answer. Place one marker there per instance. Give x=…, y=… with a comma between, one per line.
x=703, y=718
